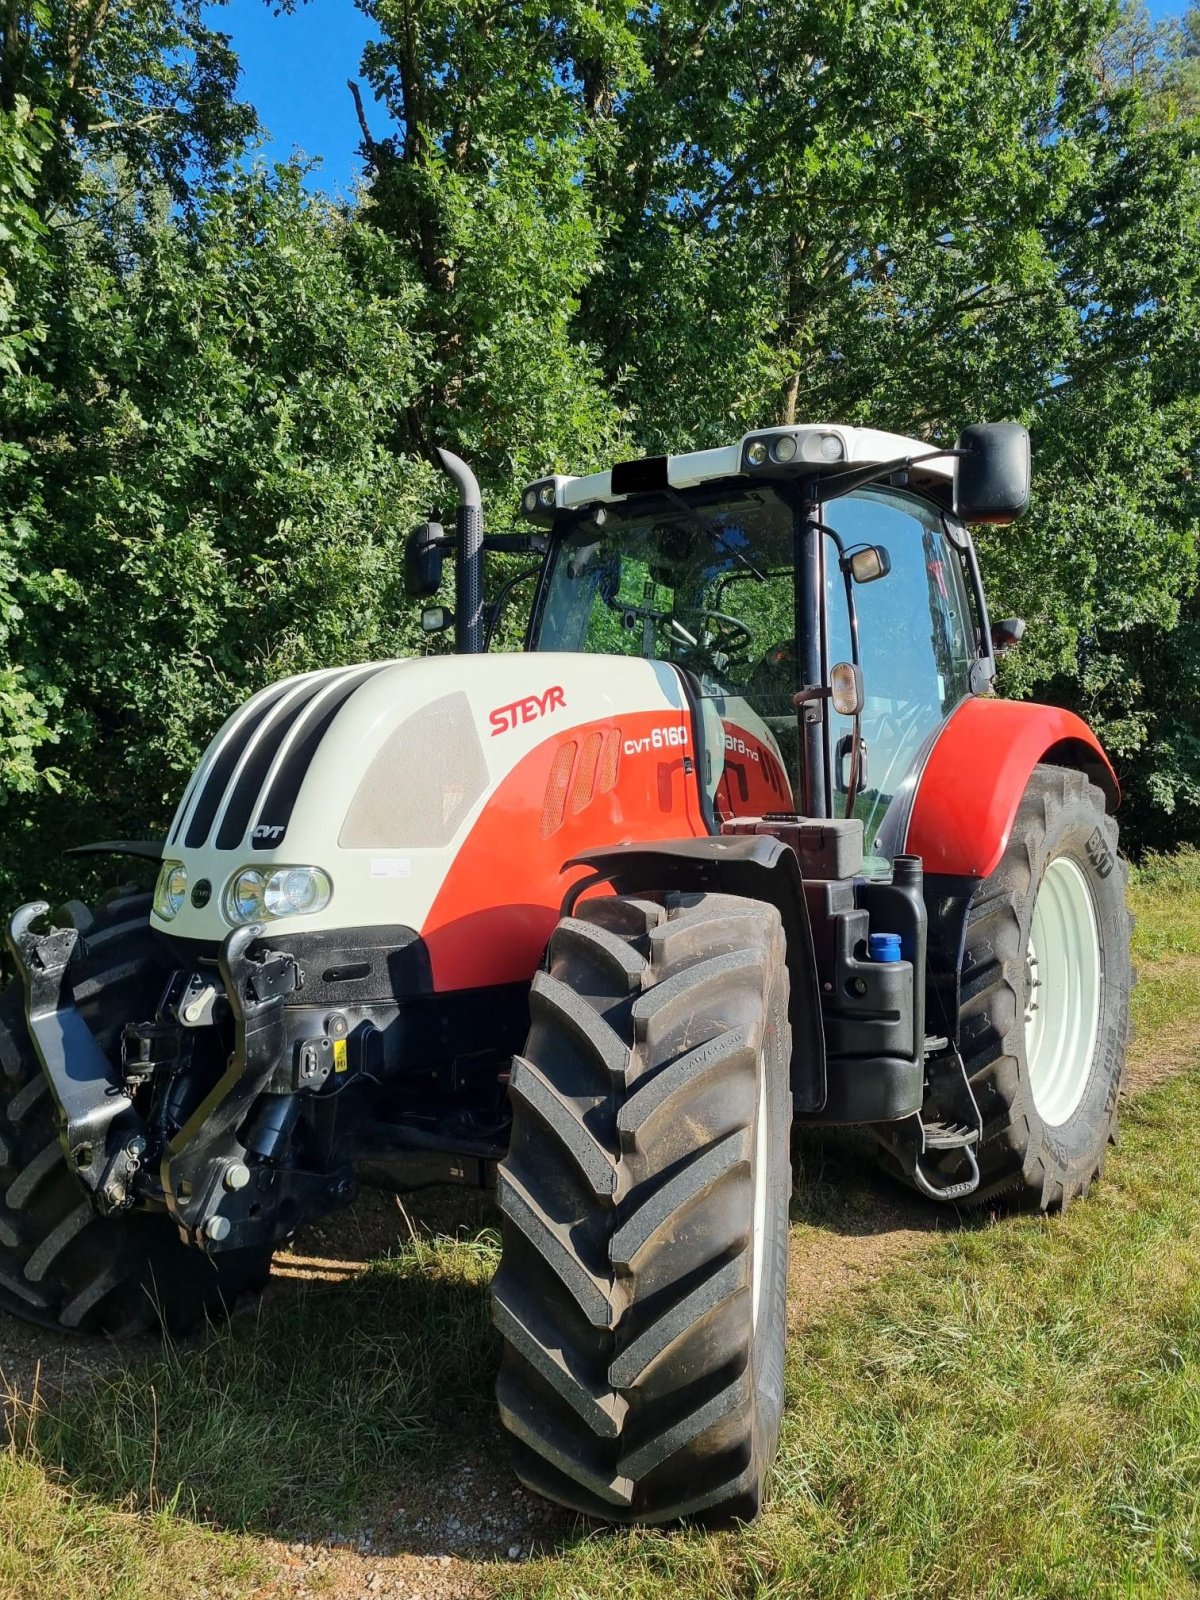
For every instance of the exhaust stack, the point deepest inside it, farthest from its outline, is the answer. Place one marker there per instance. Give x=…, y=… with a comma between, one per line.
x=468, y=609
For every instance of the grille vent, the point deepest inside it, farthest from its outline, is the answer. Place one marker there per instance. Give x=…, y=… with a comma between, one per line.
x=580, y=772
x=228, y=791
x=422, y=783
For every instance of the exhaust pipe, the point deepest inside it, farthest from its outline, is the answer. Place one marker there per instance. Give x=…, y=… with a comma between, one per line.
x=468, y=606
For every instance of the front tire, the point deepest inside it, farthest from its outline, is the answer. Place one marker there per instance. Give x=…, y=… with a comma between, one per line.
x=62, y=1265
x=1044, y=1018
x=642, y=1289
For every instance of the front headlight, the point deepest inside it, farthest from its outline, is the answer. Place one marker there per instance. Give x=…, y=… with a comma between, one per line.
x=244, y=897
x=257, y=896
x=171, y=890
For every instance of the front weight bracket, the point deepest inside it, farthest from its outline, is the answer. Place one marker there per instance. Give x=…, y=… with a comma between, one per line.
x=96, y=1115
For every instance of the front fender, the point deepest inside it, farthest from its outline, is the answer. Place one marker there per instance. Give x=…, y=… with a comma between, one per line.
x=968, y=793
x=757, y=867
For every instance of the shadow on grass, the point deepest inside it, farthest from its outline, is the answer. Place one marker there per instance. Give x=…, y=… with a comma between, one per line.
x=362, y=1398
x=841, y=1188
x=320, y=1412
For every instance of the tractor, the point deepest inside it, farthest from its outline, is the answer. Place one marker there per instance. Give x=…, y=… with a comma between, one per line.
x=741, y=841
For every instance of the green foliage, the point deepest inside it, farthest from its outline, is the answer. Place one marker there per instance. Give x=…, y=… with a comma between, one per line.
x=585, y=232
x=144, y=82
x=211, y=479
x=24, y=260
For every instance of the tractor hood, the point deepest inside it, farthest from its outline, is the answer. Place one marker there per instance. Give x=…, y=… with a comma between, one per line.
x=398, y=779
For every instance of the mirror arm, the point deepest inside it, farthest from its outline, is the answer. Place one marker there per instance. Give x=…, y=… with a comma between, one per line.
x=983, y=669
x=498, y=604
x=838, y=484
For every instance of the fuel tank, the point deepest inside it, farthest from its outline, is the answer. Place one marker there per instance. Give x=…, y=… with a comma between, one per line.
x=441, y=794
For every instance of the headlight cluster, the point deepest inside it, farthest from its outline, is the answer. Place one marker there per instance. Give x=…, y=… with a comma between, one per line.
x=171, y=890
x=251, y=895
x=784, y=448
x=540, y=498
x=257, y=896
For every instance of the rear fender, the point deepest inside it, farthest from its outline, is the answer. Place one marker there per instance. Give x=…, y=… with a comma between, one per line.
x=756, y=867
x=963, y=810
x=977, y=771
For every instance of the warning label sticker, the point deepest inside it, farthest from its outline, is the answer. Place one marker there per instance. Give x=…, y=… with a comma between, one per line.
x=391, y=867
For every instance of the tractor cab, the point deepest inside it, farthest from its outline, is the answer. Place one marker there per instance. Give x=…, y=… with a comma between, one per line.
x=759, y=569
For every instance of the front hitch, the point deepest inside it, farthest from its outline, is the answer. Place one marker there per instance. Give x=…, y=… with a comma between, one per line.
x=219, y=1190
x=102, y=1134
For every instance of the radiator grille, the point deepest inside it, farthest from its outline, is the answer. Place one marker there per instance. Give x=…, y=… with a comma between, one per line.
x=610, y=761
x=579, y=773
x=584, y=786
x=230, y=793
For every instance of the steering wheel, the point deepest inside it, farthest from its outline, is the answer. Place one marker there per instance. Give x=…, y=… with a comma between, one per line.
x=731, y=633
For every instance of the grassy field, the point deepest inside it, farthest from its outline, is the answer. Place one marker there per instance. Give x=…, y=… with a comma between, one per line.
x=1010, y=1408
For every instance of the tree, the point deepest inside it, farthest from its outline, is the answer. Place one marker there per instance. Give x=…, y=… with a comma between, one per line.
x=144, y=82
x=482, y=187
x=143, y=87
x=216, y=483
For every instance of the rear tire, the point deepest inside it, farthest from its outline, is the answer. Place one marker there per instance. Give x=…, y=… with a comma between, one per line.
x=1044, y=1031
x=642, y=1290
x=62, y=1265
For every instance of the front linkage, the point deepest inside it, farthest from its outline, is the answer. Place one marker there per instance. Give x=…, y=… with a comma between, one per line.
x=218, y=1162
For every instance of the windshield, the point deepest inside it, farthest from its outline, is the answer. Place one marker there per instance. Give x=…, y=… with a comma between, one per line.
x=650, y=581
x=709, y=584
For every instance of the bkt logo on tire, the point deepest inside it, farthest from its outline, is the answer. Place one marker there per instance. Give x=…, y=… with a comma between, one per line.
x=1099, y=854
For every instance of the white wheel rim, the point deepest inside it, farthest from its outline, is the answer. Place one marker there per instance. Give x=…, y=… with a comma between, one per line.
x=1062, y=1000
x=761, y=1157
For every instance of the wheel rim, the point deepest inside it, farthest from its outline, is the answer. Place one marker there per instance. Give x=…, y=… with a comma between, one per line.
x=1062, y=998
x=761, y=1157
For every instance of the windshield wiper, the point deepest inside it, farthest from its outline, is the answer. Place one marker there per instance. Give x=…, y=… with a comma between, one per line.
x=714, y=535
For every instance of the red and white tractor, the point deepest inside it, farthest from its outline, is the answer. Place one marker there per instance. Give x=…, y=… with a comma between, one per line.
x=741, y=839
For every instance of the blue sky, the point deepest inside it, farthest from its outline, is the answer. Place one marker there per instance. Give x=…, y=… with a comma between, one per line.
x=294, y=71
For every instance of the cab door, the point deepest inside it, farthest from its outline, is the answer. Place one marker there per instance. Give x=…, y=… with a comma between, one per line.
x=915, y=640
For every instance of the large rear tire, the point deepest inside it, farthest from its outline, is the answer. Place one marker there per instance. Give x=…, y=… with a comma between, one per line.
x=62, y=1265
x=1044, y=1019
x=642, y=1290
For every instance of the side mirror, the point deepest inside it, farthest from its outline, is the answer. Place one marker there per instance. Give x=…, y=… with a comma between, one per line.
x=991, y=481
x=423, y=560
x=869, y=563
x=1007, y=635
x=436, y=619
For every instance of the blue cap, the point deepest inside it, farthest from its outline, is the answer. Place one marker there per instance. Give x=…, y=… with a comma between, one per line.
x=884, y=946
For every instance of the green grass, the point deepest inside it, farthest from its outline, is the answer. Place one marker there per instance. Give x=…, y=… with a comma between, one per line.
x=297, y=1419
x=56, y=1541
x=1013, y=1410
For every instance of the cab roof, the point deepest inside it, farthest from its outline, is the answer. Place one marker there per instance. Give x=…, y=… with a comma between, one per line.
x=821, y=448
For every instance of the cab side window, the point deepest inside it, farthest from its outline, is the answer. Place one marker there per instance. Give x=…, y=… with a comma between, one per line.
x=915, y=636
